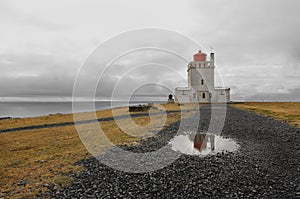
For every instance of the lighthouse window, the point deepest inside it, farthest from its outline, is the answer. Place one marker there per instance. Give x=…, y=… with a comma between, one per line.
x=202, y=81
x=194, y=95
x=203, y=95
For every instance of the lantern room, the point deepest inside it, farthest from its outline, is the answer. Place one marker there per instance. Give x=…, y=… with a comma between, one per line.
x=200, y=56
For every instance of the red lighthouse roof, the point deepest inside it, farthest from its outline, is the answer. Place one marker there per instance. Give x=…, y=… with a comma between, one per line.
x=200, y=56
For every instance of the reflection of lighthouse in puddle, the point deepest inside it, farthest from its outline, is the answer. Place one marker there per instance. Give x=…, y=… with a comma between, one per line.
x=201, y=142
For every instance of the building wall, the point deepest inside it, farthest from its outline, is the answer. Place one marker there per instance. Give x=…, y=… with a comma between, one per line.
x=221, y=95
x=182, y=95
x=198, y=71
x=227, y=94
x=203, y=96
x=217, y=95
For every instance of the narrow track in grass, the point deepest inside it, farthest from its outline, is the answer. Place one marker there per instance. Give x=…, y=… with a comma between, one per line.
x=83, y=121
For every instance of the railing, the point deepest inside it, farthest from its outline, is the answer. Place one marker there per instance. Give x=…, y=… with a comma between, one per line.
x=206, y=64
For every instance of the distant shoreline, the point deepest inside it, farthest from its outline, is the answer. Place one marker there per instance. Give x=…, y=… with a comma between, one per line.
x=26, y=109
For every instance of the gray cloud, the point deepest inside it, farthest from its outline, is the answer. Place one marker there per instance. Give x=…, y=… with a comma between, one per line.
x=257, y=46
x=9, y=14
x=291, y=95
x=35, y=75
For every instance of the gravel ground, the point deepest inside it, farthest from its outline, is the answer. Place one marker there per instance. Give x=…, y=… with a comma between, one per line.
x=265, y=166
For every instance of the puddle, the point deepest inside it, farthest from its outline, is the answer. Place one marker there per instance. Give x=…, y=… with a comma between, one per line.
x=202, y=144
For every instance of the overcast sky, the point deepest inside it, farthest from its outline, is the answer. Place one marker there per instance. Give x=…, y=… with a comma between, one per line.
x=44, y=43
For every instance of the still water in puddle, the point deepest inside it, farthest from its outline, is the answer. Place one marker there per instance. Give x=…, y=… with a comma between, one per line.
x=202, y=144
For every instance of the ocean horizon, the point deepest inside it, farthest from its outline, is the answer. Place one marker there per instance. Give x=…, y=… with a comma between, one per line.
x=22, y=109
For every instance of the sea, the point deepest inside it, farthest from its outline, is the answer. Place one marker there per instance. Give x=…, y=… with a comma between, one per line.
x=22, y=109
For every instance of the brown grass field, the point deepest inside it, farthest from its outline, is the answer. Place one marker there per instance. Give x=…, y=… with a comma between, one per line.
x=33, y=159
x=284, y=111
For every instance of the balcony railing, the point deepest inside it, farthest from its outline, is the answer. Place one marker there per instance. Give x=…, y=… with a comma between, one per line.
x=206, y=64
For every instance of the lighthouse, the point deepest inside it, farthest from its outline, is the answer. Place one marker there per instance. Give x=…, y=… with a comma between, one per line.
x=201, y=82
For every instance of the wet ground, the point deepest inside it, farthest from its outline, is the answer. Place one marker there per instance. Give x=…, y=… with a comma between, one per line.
x=264, y=164
x=202, y=144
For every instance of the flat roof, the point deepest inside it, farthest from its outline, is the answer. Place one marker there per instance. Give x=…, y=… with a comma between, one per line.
x=220, y=88
x=183, y=88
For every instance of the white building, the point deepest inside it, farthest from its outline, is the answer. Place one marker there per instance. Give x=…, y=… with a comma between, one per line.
x=201, y=83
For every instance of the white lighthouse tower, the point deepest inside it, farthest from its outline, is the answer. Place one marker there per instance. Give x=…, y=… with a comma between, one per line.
x=201, y=82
